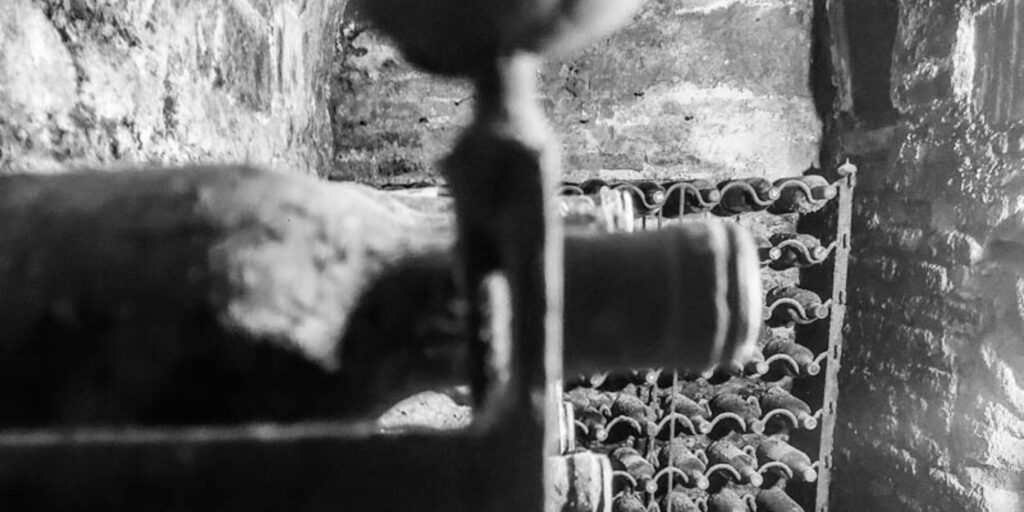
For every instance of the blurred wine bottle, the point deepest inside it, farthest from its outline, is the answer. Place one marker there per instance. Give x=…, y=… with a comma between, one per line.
x=593, y=186
x=801, y=355
x=677, y=501
x=789, y=250
x=782, y=306
x=697, y=413
x=652, y=197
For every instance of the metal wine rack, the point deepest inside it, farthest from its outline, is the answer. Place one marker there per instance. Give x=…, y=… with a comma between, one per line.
x=637, y=416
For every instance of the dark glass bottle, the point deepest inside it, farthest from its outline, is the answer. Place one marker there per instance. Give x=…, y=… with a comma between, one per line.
x=773, y=449
x=746, y=195
x=631, y=406
x=777, y=398
x=676, y=454
x=802, y=195
x=744, y=407
x=593, y=186
x=725, y=452
x=791, y=250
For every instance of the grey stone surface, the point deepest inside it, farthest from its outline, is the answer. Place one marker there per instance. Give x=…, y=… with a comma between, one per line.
x=930, y=393
x=89, y=82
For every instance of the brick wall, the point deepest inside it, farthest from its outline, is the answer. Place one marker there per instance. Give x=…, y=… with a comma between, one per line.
x=931, y=398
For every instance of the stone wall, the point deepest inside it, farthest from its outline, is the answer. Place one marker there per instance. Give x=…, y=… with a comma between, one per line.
x=932, y=388
x=705, y=88
x=699, y=88
x=106, y=82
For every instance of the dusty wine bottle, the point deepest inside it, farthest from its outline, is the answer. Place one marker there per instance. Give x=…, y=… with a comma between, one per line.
x=800, y=354
x=775, y=449
x=676, y=501
x=725, y=452
x=745, y=195
x=804, y=194
x=788, y=304
x=697, y=413
x=746, y=408
x=688, y=197
x=675, y=454
x=795, y=250
x=631, y=406
x=777, y=398
x=635, y=465
x=725, y=500
x=628, y=502
x=775, y=499
x=617, y=380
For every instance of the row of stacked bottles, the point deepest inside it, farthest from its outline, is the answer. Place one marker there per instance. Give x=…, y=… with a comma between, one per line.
x=751, y=437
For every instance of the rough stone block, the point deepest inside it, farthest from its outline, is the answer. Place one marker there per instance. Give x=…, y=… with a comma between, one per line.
x=143, y=81
x=712, y=91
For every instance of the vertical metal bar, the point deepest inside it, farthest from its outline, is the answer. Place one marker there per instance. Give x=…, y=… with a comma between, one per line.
x=835, y=339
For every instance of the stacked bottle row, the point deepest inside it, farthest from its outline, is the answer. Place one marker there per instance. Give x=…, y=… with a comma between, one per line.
x=800, y=195
x=685, y=409
x=738, y=438
x=688, y=443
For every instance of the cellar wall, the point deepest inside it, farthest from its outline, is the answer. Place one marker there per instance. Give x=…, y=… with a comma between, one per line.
x=705, y=88
x=931, y=399
x=114, y=82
